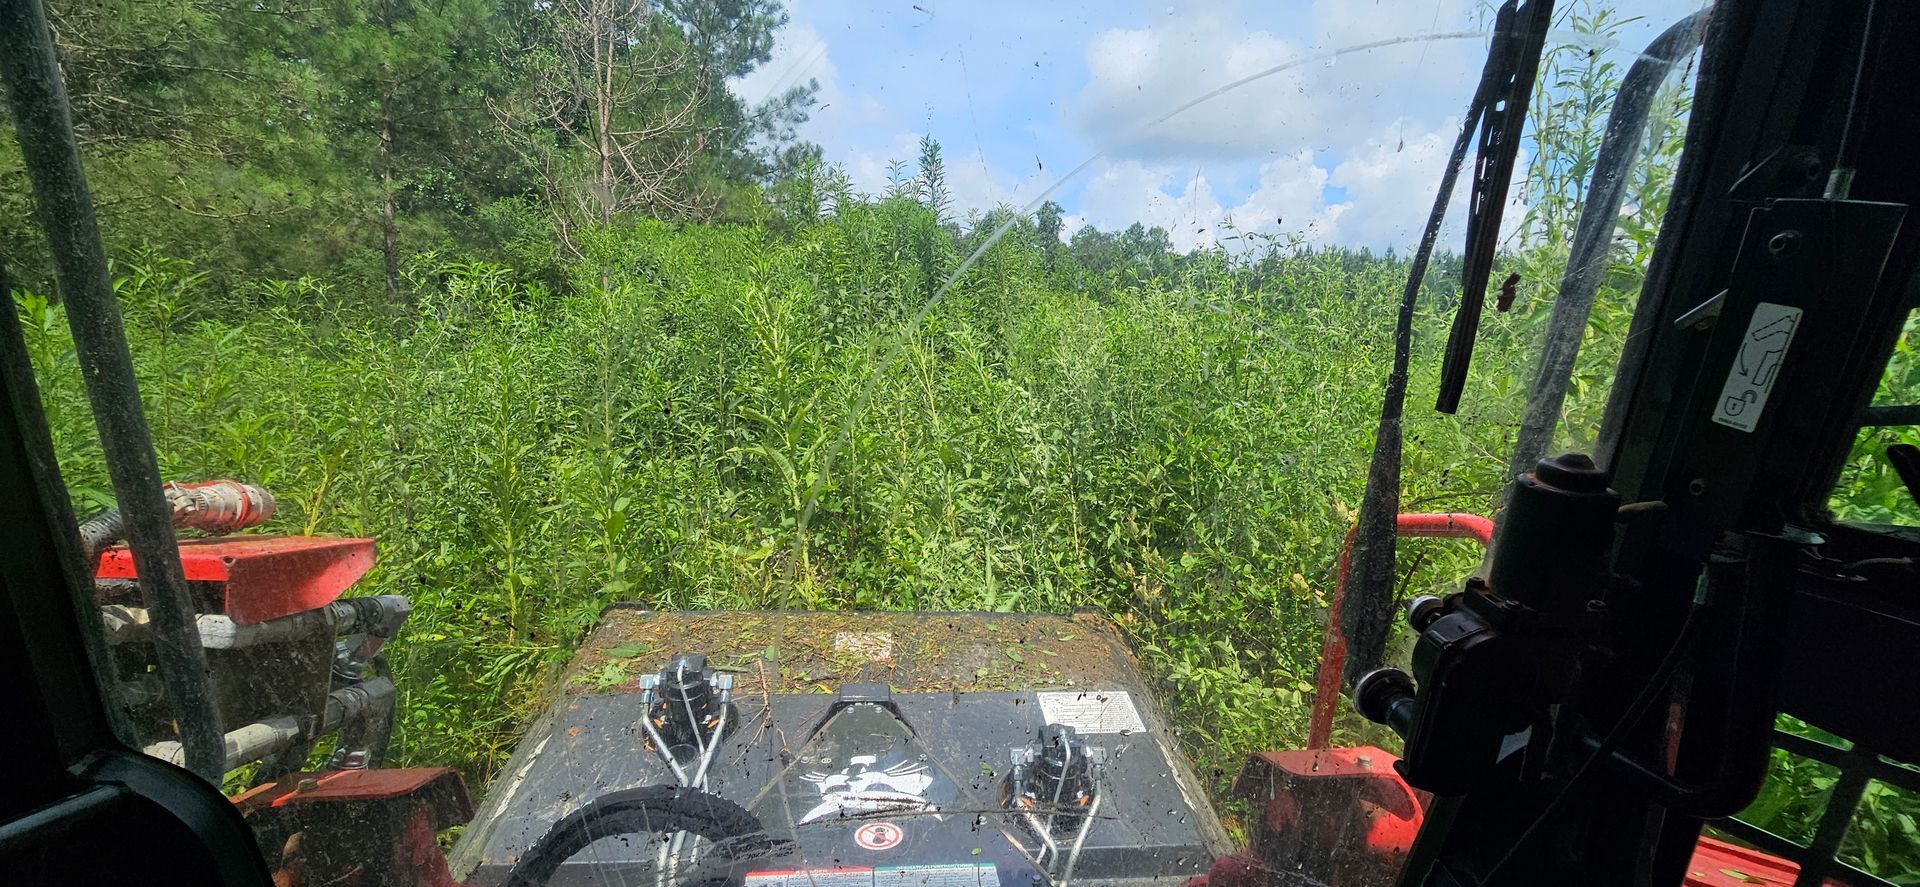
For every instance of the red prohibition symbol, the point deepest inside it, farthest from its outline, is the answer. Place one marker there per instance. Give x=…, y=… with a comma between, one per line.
x=879, y=836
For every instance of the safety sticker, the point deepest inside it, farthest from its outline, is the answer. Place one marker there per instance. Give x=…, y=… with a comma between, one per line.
x=955, y=875
x=1757, y=366
x=879, y=836
x=1092, y=711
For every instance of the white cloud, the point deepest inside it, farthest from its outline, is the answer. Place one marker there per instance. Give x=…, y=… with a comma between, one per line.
x=1291, y=197
x=1390, y=182
x=869, y=170
x=1385, y=190
x=975, y=185
x=1136, y=75
x=1344, y=152
x=1123, y=192
x=978, y=186
x=801, y=55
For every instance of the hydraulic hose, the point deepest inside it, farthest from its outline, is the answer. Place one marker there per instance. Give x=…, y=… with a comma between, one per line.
x=661, y=809
x=214, y=507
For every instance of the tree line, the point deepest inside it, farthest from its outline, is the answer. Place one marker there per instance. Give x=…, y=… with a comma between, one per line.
x=282, y=138
x=276, y=140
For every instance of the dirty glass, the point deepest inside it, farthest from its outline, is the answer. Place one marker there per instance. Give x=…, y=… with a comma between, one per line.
x=686, y=441
x=1883, y=839
x=1870, y=489
x=1875, y=835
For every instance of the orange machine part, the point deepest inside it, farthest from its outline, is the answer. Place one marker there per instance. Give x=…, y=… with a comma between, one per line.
x=263, y=577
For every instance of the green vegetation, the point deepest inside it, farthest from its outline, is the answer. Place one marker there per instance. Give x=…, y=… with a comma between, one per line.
x=386, y=267
x=1883, y=838
x=280, y=139
x=1183, y=451
x=1183, y=454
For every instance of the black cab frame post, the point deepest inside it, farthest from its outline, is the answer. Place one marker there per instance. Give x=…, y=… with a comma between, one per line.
x=31, y=69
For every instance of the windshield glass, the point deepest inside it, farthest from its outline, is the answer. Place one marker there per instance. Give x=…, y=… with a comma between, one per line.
x=1871, y=489
x=759, y=442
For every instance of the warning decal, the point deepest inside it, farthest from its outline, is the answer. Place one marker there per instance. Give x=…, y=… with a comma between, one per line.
x=1092, y=711
x=879, y=836
x=1756, y=366
x=956, y=875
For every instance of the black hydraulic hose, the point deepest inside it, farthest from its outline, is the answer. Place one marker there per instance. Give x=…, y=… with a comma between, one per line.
x=100, y=531
x=44, y=125
x=1840, y=179
x=653, y=809
x=212, y=507
x=1593, y=235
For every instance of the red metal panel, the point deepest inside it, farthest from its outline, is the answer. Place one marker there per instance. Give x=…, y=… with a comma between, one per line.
x=358, y=828
x=1363, y=760
x=363, y=785
x=1337, y=816
x=265, y=577
x=1373, y=781
x=1720, y=864
x=1299, y=792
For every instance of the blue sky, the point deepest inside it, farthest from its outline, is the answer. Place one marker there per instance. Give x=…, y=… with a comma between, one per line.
x=1345, y=151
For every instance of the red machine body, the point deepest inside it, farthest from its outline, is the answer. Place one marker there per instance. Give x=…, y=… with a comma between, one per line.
x=1343, y=817
x=1339, y=815
x=263, y=577
x=1720, y=864
x=358, y=828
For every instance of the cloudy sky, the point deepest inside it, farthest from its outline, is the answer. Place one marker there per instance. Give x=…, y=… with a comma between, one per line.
x=1344, y=149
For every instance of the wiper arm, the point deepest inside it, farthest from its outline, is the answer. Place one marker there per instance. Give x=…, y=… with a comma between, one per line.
x=1366, y=616
x=1506, y=86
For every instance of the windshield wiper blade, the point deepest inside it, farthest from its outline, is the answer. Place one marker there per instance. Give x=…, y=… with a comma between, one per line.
x=1506, y=86
x=1366, y=615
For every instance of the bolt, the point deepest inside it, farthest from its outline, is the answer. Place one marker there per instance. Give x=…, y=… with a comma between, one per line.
x=1697, y=486
x=1811, y=167
x=1783, y=243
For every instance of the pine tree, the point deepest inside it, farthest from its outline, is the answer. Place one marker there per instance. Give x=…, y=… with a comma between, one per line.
x=411, y=125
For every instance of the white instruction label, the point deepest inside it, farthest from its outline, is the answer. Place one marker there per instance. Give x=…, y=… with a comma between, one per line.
x=955, y=875
x=1092, y=711
x=1757, y=365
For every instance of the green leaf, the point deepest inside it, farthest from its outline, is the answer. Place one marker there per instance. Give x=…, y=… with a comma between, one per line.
x=611, y=675
x=627, y=651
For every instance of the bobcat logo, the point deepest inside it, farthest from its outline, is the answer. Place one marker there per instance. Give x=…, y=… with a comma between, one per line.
x=862, y=790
